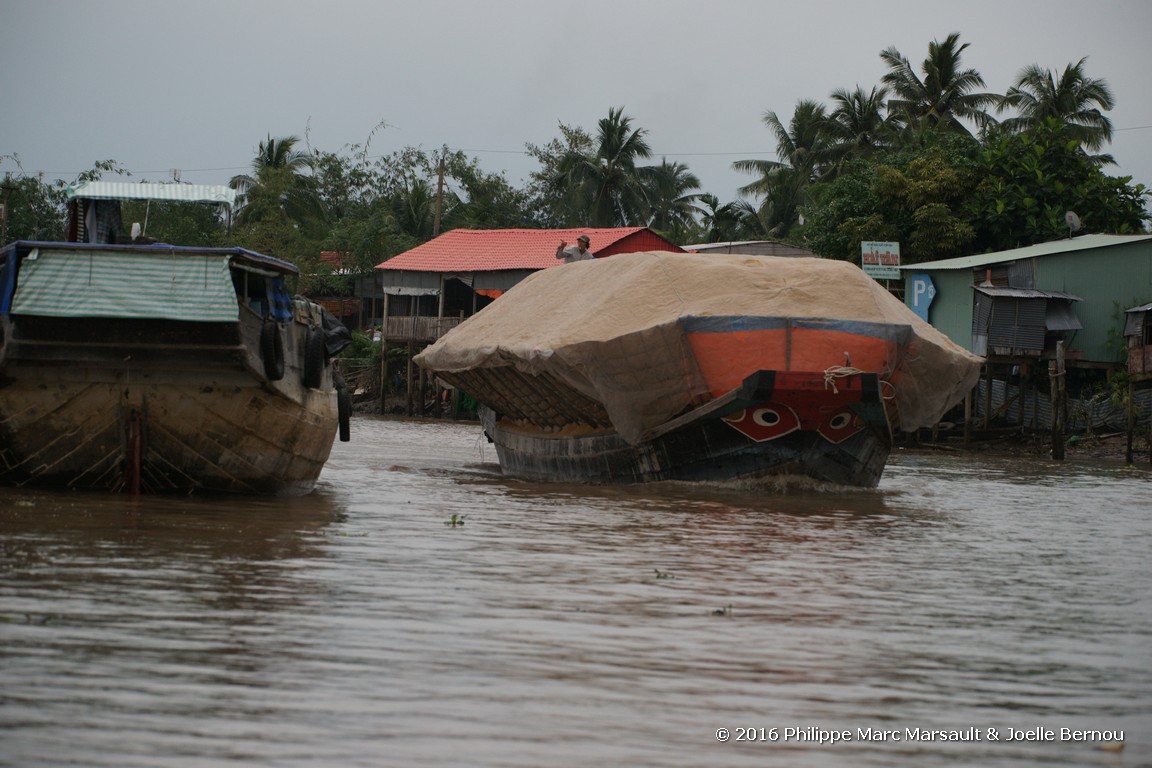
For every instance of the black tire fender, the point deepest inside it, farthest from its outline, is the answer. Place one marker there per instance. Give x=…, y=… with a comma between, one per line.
x=272, y=350
x=344, y=413
x=313, y=358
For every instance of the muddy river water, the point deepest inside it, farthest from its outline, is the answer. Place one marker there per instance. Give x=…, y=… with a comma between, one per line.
x=419, y=610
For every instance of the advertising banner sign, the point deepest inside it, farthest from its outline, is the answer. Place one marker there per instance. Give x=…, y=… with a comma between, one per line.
x=880, y=260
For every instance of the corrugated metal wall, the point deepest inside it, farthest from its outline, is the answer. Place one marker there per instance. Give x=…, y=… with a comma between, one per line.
x=1008, y=324
x=1097, y=413
x=1017, y=324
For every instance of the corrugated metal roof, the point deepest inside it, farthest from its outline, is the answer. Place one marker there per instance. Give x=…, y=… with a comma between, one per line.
x=132, y=190
x=482, y=250
x=1061, y=317
x=1082, y=243
x=1025, y=293
x=733, y=243
x=752, y=248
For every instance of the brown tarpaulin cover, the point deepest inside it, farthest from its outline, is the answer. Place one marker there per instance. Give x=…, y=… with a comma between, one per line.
x=609, y=330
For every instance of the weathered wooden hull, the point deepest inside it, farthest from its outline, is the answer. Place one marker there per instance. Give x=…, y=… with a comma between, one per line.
x=761, y=430
x=160, y=407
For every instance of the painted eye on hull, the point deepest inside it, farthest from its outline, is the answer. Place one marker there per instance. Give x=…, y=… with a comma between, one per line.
x=766, y=417
x=840, y=426
x=765, y=422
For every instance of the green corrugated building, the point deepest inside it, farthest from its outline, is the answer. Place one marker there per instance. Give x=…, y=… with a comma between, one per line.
x=1013, y=306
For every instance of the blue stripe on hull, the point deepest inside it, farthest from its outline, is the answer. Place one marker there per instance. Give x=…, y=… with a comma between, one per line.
x=737, y=323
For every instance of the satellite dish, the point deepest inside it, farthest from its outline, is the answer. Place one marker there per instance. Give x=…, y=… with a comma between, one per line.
x=1073, y=222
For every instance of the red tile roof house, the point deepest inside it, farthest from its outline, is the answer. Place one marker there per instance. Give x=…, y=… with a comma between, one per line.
x=431, y=288
x=348, y=309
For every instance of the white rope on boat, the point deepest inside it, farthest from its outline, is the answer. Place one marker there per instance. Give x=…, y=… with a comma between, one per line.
x=834, y=372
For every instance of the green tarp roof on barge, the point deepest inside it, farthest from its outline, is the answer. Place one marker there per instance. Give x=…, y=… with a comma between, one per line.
x=177, y=285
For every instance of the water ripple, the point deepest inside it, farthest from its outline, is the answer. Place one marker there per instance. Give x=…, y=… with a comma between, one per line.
x=421, y=610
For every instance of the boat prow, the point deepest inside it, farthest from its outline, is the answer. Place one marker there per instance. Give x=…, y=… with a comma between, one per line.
x=789, y=424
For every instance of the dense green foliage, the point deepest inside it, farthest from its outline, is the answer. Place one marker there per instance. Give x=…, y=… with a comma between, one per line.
x=1031, y=179
x=915, y=198
x=911, y=171
x=917, y=159
x=35, y=209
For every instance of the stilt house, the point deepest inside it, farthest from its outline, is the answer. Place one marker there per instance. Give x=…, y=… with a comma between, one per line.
x=433, y=287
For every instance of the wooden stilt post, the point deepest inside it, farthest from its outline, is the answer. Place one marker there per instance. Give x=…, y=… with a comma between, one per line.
x=411, y=406
x=987, y=395
x=383, y=372
x=1023, y=399
x=384, y=354
x=422, y=391
x=1035, y=410
x=1131, y=423
x=1057, y=377
x=967, y=417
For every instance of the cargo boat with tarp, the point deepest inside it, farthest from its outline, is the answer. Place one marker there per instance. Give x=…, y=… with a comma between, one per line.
x=129, y=365
x=662, y=366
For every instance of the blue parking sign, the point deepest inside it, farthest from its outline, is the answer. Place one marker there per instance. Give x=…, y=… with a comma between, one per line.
x=923, y=292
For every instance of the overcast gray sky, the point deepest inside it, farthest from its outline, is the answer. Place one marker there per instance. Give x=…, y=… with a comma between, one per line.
x=156, y=85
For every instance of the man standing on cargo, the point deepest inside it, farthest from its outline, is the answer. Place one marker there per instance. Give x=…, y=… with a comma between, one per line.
x=578, y=252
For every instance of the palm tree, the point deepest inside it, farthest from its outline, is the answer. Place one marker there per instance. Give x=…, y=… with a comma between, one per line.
x=674, y=205
x=858, y=124
x=1075, y=99
x=803, y=149
x=757, y=223
x=278, y=188
x=552, y=204
x=609, y=185
x=719, y=223
x=945, y=96
x=413, y=208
